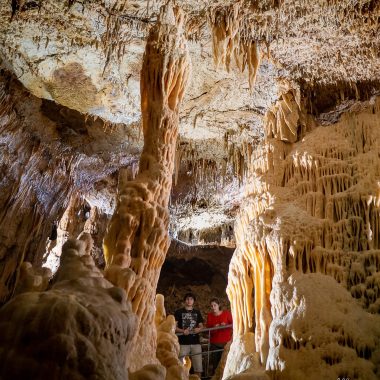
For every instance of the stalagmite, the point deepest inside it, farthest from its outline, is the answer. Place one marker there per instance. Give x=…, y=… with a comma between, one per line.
x=32, y=280
x=82, y=327
x=68, y=225
x=137, y=239
x=168, y=346
x=283, y=118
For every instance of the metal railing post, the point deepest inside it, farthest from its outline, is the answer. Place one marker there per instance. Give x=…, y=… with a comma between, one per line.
x=208, y=346
x=208, y=353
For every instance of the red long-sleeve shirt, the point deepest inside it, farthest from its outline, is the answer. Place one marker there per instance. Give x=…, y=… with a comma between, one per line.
x=222, y=335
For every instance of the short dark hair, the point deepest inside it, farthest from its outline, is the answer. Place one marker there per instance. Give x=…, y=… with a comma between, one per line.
x=187, y=295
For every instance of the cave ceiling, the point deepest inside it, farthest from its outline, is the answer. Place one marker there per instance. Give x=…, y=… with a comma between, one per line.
x=83, y=59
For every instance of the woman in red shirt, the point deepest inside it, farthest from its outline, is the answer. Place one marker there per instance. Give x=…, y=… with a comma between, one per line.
x=218, y=338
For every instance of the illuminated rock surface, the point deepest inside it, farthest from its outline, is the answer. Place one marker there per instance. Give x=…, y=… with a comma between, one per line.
x=81, y=328
x=277, y=155
x=137, y=237
x=308, y=249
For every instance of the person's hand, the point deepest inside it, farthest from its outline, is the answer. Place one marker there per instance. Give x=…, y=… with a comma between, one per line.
x=223, y=324
x=197, y=330
x=186, y=332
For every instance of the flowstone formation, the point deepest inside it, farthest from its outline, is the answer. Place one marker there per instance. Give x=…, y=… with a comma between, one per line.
x=137, y=238
x=80, y=328
x=28, y=201
x=305, y=275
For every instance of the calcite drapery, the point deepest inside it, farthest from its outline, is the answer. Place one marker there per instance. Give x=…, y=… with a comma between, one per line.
x=307, y=237
x=282, y=120
x=137, y=238
x=33, y=187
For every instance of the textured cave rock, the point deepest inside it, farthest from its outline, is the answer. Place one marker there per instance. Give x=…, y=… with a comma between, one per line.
x=137, y=239
x=47, y=162
x=277, y=154
x=81, y=328
x=87, y=57
x=307, y=258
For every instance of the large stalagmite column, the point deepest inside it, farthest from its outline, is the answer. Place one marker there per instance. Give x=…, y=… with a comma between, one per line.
x=137, y=238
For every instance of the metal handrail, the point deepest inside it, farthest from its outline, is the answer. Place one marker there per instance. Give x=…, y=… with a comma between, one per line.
x=205, y=352
x=208, y=343
x=209, y=329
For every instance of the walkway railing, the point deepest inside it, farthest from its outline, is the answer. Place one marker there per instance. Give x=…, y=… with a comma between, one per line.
x=208, y=352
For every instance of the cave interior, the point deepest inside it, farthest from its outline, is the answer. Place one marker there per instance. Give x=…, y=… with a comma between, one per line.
x=227, y=148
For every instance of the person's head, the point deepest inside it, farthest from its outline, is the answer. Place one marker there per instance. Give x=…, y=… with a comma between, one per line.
x=189, y=300
x=215, y=305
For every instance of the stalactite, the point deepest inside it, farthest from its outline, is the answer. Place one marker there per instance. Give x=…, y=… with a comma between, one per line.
x=229, y=43
x=237, y=25
x=239, y=153
x=137, y=239
x=203, y=170
x=283, y=118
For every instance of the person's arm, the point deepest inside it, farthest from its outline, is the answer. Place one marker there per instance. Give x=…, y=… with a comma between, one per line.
x=184, y=331
x=177, y=317
x=227, y=318
x=177, y=328
x=199, y=328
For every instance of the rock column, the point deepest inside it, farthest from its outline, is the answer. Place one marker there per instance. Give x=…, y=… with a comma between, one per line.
x=137, y=238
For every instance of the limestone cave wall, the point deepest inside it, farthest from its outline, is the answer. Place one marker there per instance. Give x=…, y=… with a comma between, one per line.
x=29, y=202
x=304, y=279
x=52, y=159
x=298, y=172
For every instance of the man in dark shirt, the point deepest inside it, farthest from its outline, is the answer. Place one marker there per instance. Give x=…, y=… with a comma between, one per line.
x=190, y=323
